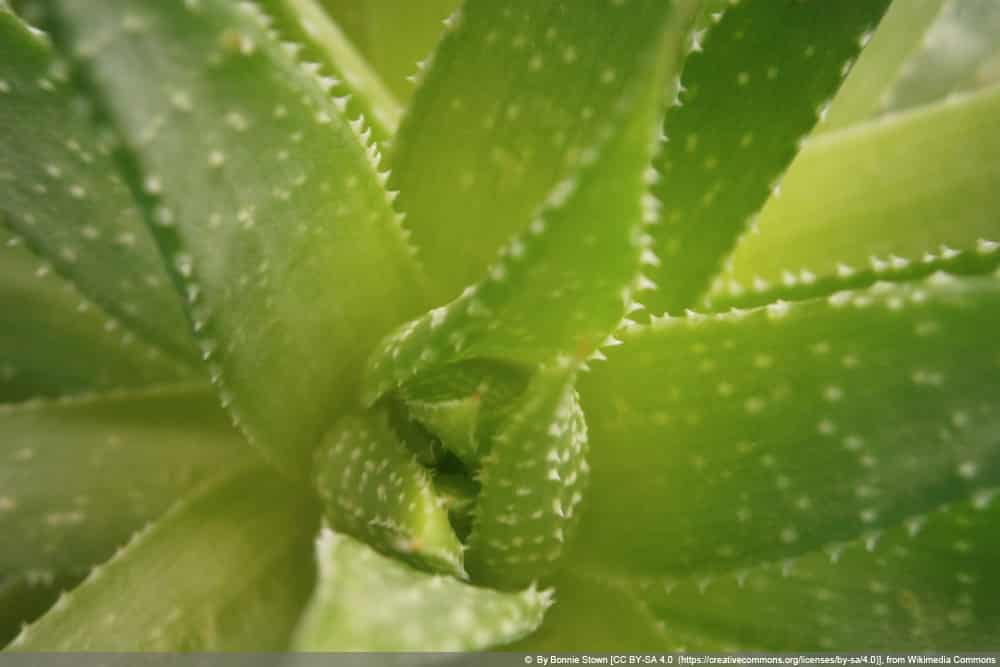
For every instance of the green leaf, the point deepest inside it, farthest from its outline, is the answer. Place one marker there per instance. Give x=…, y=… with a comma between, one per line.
x=319, y=40
x=960, y=52
x=394, y=35
x=272, y=210
x=591, y=615
x=893, y=199
x=367, y=602
x=62, y=195
x=532, y=480
x=25, y=598
x=560, y=289
x=747, y=100
x=79, y=475
x=927, y=585
x=200, y=579
x=60, y=343
x=519, y=97
x=721, y=441
x=897, y=37
x=375, y=490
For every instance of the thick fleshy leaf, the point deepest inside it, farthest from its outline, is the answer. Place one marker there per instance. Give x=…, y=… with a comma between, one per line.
x=747, y=100
x=319, y=40
x=56, y=342
x=563, y=287
x=532, y=480
x=78, y=476
x=61, y=192
x=594, y=616
x=899, y=34
x=960, y=52
x=367, y=602
x=463, y=404
x=200, y=579
x=893, y=199
x=930, y=584
x=23, y=599
x=374, y=489
x=518, y=98
x=271, y=211
x=719, y=441
x=394, y=35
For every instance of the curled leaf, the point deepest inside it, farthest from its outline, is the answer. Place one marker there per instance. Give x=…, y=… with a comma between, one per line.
x=415, y=611
x=375, y=490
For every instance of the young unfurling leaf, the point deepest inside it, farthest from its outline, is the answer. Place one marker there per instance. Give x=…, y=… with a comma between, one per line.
x=533, y=481
x=375, y=490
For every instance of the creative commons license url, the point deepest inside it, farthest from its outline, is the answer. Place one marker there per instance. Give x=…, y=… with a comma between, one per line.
x=844, y=660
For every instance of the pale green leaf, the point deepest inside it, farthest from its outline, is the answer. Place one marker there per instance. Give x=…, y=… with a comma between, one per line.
x=349, y=77
x=897, y=37
x=62, y=195
x=272, y=210
x=748, y=97
x=396, y=36
x=719, y=441
x=927, y=585
x=892, y=199
x=367, y=602
x=200, y=579
x=520, y=96
x=959, y=52
x=78, y=476
x=55, y=341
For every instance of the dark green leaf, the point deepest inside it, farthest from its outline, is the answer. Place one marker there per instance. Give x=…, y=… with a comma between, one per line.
x=272, y=211
x=748, y=98
x=61, y=193
x=57, y=342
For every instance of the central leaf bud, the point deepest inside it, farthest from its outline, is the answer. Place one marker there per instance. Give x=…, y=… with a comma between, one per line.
x=474, y=467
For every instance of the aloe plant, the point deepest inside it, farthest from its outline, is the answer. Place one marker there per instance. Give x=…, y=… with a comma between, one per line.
x=596, y=338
